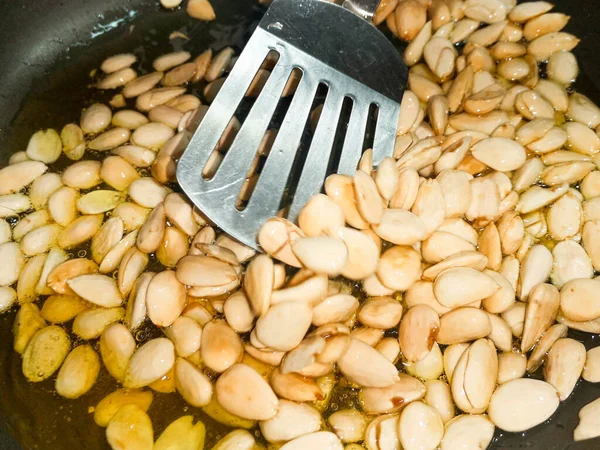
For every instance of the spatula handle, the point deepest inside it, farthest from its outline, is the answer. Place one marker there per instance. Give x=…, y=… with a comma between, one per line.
x=363, y=8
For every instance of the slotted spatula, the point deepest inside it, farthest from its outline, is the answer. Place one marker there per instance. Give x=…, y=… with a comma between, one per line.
x=330, y=44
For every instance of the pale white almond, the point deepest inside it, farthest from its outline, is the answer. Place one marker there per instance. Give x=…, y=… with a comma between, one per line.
x=430, y=367
x=142, y=84
x=13, y=204
x=588, y=422
x=276, y=237
x=129, y=118
x=554, y=93
x=406, y=192
x=399, y=267
x=95, y=118
x=336, y=308
x=321, y=254
x=363, y=254
x=373, y=371
x=474, y=377
x=293, y=317
x=165, y=298
x=173, y=247
x=203, y=270
x=90, y=323
x=537, y=197
x=136, y=156
x=442, y=245
x=8, y=297
x=349, y=425
x=420, y=427
x=485, y=199
x=522, y=404
x=460, y=286
x=117, y=79
x=12, y=261
x=156, y=97
x=78, y=372
x=468, y=431
x=136, y=305
x=221, y=347
x=564, y=364
x=400, y=227
x=320, y=216
x=570, y=261
x=150, y=362
x=591, y=371
x=410, y=18
x=463, y=325
x=40, y=240
x=457, y=191
x=98, y=289
x=42, y=188
x=117, y=345
x=580, y=300
x=82, y=175
x=15, y=177
x=380, y=312
x=418, y=332
x=547, y=340
x=544, y=46
x=392, y=398
x=583, y=110
x=468, y=258
x=535, y=268
x=500, y=154
x=192, y=384
x=243, y=392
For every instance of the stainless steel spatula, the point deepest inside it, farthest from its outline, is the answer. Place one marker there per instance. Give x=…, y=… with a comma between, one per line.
x=330, y=44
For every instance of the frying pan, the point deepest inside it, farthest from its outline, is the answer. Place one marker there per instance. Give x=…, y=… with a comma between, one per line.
x=47, y=50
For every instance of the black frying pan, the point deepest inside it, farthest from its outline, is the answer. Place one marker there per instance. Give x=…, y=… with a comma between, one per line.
x=47, y=49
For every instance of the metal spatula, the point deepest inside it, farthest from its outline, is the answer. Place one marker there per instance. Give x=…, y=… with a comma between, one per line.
x=330, y=44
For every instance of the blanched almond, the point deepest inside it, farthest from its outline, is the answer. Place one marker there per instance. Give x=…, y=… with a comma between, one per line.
x=45, y=353
x=463, y=325
x=98, y=289
x=364, y=365
x=522, y=404
x=79, y=231
x=78, y=372
x=461, y=286
x=392, y=398
x=564, y=364
x=149, y=363
x=243, y=392
x=420, y=427
x=468, y=431
x=474, y=377
x=90, y=323
x=418, y=332
x=192, y=384
x=165, y=298
x=130, y=427
x=321, y=254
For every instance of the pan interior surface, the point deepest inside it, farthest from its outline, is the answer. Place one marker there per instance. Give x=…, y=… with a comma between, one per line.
x=47, y=50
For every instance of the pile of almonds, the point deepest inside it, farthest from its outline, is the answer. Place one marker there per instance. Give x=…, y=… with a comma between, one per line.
x=427, y=287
